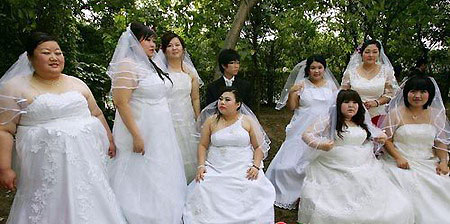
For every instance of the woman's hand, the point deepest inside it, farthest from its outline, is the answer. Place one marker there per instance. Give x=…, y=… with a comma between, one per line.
x=442, y=168
x=112, y=149
x=402, y=163
x=252, y=173
x=138, y=145
x=370, y=104
x=8, y=179
x=326, y=146
x=201, y=170
x=296, y=87
x=381, y=139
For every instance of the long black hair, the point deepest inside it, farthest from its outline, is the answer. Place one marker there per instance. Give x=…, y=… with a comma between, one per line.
x=346, y=96
x=142, y=32
x=236, y=96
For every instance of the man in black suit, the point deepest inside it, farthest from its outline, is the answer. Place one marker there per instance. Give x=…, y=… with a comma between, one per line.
x=229, y=66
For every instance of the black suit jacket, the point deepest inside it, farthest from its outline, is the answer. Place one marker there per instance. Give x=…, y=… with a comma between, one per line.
x=215, y=88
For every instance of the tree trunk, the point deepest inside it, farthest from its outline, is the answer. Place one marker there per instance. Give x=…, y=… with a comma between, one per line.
x=238, y=23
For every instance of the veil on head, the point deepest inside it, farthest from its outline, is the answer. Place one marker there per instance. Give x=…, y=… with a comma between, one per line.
x=12, y=103
x=161, y=62
x=438, y=117
x=130, y=63
x=297, y=76
x=261, y=136
x=356, y=58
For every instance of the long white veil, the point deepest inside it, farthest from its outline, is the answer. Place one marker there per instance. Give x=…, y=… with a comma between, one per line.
x=438, y=118
x=261, y=135
x=129, y=63
x=297, y=76
x=161, y=62
x=12, y=103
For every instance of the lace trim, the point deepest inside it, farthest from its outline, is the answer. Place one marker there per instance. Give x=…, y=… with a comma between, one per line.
x=291, y=206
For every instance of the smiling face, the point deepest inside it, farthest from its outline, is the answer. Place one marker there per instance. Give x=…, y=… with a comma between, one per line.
x=149, y=46
x=316, y=71
x=227, y=103
x=174, y=49
x=48, y=59
x=370, y=54
x=349, y=109
x=418, y=98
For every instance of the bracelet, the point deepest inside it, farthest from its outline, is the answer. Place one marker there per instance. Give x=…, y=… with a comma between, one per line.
x=201, y=166
x=255, y=166
x=378, y=103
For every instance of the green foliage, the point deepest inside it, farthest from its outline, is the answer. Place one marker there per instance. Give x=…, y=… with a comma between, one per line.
x=276, y=36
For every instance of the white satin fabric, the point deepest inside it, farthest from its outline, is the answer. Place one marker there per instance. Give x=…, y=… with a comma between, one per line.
x=150, y=188
x=284, y=172
x=225, y=195
x=183, y=116
x=61, y=154
x=348, y=185
x=428, y=191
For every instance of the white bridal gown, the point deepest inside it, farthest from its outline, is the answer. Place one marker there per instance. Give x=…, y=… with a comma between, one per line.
x=348, y=185
x=62, y=153
x=284, y=171
x=428, y=191
x=225, y=195
x=151, y=188
x=184, y=121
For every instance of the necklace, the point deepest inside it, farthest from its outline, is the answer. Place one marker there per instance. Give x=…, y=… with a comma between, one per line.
x=49, y=82
x=368, y=72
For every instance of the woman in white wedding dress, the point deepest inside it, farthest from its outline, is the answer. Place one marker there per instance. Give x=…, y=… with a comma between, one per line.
x=344, y=181
x=309, y=96
x=230, y=186
x=61, y=142
x=418, y=143
x=147, y=174
x=184, y=99
x=371, y=74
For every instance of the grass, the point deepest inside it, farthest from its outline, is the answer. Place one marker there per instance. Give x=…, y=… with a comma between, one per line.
x=274, y=123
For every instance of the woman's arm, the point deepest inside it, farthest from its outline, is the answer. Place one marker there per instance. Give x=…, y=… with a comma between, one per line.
x=345, y=84
x=7, y=175
x=195, y=96
x=256, y=139
x=97, y=112
x=121, y=98
x=293, y=96
x=390, y=148
x=202, y=147
x=442, y=166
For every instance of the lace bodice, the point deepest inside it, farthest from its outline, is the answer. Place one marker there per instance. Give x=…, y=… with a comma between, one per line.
x=317, y=98
x=49, y=107
x=182, y=85
x=351, y=136
x=234, y=135
x=415, y=140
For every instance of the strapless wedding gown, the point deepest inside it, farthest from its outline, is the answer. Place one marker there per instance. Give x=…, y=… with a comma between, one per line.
x=285, y=172
x=61, y=154
x=429, y=192
x=183, y=116
x=348, y=185
x=225, y=195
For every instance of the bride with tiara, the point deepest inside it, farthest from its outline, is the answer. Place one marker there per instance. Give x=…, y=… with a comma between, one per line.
x=309, y=91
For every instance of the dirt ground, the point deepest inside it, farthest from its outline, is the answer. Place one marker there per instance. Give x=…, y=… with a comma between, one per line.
x=273, y=121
